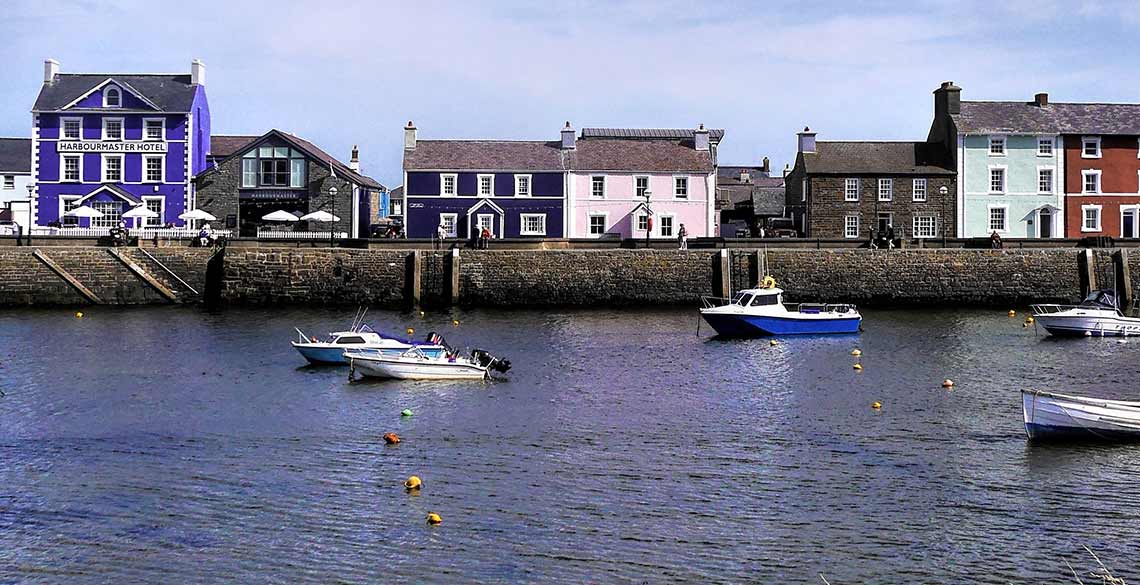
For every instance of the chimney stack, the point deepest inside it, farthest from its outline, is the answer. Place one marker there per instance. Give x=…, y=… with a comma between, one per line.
x=51, y=69
x=745, y=176
x=787, y=170
x=569, y=142
x=1041, y=99
x=410, y=136
x=701, y=138
x=354, y=162
x=947, y=99
x=197, y=72
x=766, y=167
x=806, y=140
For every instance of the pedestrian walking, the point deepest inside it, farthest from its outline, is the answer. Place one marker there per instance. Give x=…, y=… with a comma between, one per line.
x=683, y=237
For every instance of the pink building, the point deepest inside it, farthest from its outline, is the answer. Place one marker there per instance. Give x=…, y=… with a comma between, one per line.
x=612, y=170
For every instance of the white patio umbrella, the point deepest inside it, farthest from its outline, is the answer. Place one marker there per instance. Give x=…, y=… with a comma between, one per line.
x=139, y=212
x=84, y=211
x=194, y=214
x=279, y=215
x=321, y=215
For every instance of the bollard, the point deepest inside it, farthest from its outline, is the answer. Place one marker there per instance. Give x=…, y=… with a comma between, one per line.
x=453, y=272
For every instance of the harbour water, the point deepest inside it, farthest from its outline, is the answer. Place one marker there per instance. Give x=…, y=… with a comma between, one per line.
x=176, y=445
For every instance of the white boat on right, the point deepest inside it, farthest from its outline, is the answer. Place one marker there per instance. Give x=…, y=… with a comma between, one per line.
x=1062, y=416
x=1096, y=316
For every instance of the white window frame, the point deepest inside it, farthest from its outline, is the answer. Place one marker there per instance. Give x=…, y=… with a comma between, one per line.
x=1042, y=140
x=997, y=138
x=1052, y=180
x=915, y=189
x=529, y=186
x=63, y=124
x=107, y=92
x=847, y=231
x=249, y=177
x=162, y=125
x=9, y=182
x=661, y=225
x=454, y=184
x=637, y=222
x=1123, y=209
x=917, y=233
x=605, y=223
x=1004, y=179
x=63, y=199
x=479, y=222
x=479, y=185
x=803, y=190
x=1085, y=174
x=103, y=158
x=648, y=185
x=523, y=231
x=676, y=191
x=1084, y=218
x=990, y=222
x=63, y=167
x=890, y=190
x=594, y=178
x=849, y=185
x=454, y=217
x=1086, y=140
x=122, y=129
x=155, y=221
x=161, y=158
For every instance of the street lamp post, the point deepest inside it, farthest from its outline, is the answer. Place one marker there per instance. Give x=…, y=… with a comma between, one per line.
x=648, y=218
x=942, y=191
x=332, y=227
x=31, y=197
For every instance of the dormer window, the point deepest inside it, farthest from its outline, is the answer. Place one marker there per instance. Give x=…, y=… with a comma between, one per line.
x=112, y=97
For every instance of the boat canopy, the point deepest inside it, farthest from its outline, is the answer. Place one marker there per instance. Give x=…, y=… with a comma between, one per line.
x=1100, y=299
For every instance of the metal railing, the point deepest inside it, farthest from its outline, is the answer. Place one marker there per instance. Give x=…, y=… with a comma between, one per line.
x=143, y=233
x=288, y=235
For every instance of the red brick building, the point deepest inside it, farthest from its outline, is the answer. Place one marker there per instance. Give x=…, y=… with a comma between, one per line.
x=1102, y=178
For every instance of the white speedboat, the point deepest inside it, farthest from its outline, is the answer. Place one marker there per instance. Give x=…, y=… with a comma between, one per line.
x=1098, y=315
x=1060, y=416
x=331, y=349
x=419, y=363
x=761, y=311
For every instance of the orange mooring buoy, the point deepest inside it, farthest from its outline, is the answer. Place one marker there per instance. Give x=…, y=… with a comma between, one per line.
x=391, y=438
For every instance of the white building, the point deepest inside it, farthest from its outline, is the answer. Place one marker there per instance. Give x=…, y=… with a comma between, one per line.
x=15, y=179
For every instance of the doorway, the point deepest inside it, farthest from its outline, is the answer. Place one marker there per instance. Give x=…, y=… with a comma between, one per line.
x=1130, y=223
x=1045, y=221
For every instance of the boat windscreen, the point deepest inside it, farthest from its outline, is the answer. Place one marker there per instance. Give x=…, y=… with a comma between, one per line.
x=1100, y=298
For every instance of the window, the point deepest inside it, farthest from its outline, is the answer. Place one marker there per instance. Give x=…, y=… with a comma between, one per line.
x=112, y=97
x=667, y=226
x=1091, y=218
x=152, y=169
x=851, y=226
x=486, y=185
x=642, y=222
x=1091, y=181
x=112, y=214
x=803, y=190
x=154, y=129
x=71, y=166
x=249, y=172
x=886, y=189
x=273, y=166
x=485, y=221
x=997, y=180
x=9, y=182
x=597, y=224
x=112, y=128
x=598, y=187
x=157, y=205
x=297, y=173
x=925, y=226
x=112, y=168
x=997, y=219
x=274, y=172
x=66, y=204
x=447, y=185
x=522, y=185
x=1044, y=147
x=1090, y=147
x=1044, y=180
x=997, y=145
x=640, y=186
x=449, y=221
x=70, y=128
x=851, y=190
x=918, y=190
x=533, y=224
x=681, y=187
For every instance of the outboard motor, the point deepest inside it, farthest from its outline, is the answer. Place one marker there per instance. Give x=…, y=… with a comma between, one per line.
x=485, y=359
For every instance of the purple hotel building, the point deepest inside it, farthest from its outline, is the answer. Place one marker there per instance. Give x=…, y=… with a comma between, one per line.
x=116, y=141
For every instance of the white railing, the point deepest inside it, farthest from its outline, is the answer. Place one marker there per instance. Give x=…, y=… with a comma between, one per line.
x=175, y=233
x=143, y=233
x=287, y=235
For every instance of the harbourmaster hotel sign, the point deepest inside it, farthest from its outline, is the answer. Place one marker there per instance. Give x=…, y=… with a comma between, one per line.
x=96, y=146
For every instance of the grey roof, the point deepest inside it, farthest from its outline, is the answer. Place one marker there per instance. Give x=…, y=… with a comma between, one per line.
x=728, y=174
x=16, y=155
x=768, y=200
x=397, y=192
x=868, y=157
x=170, y=92
x=223, y=145
x=305, y=146
x=485, y=155
x=715, y=134
x=1054, y=118
x=640, y=155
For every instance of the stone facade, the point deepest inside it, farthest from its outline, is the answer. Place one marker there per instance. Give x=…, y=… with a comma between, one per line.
x=828, y=209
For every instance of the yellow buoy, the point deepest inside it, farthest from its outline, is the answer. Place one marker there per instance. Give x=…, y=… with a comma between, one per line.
x=1029, y=320
x=773, y=342
x=455, y=322
x=876, y=405
x=1012, y=313
x=433, y=518
x=858, y=366
x=411, y=331
x=1024, y=325
x=79, y=314
x=948, y=383
x=421, y=313
x=856, y=352
x=413, y=483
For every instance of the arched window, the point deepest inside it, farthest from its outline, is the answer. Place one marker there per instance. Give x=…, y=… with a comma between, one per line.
x=112, y=97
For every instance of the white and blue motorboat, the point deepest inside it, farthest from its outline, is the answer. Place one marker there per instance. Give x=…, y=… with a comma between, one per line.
x=761, y=311
x=331, y=349
x=1099, y=315
x=1062, y=416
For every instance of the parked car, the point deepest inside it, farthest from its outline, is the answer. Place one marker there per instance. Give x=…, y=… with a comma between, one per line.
x=781, y=233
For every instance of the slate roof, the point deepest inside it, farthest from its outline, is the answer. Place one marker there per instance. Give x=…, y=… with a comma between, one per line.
x=729, y=174
x=979, y=117
x=222, y=145
x=640, y=155
x=305, y=146
x=715, y=134
x=768, y=198
x=397, y=192
x=868, y=157
x=484, y=155
x=16, y=155
x=170, y=92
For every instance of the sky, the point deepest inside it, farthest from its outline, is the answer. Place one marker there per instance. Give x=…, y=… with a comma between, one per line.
x=354, y=72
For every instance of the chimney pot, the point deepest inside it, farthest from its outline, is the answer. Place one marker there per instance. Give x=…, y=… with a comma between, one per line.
x=354, y=162
x=51, y=69
x=569, y=140
x=197, y=72
x=947, y=99
x=806, y=141
x=766, y=166
x=410, y=136
x=1041, y=99
x=701, y=138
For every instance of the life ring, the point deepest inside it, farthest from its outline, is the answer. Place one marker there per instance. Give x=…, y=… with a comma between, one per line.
x=768, y=282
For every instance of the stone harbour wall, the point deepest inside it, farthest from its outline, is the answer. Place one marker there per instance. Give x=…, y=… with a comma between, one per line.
x=314, y=276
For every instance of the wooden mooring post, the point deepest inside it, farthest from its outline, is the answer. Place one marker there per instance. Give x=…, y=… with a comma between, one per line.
x=453, y=272
x=1123, y=278
x=1086, y=271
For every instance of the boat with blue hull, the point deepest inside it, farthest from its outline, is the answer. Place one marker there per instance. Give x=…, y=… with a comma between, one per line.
x=331, y=349
x=762, y=312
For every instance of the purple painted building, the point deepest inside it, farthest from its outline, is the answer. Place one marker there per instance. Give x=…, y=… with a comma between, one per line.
x=514, y=188
x=117, y=141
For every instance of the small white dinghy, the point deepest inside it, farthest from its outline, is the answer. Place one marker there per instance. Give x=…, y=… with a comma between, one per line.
x=1062, y=416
